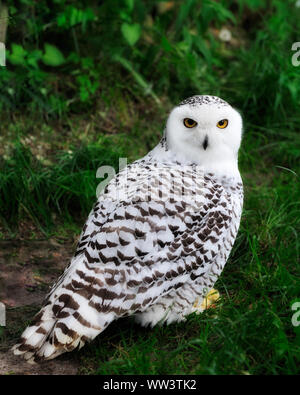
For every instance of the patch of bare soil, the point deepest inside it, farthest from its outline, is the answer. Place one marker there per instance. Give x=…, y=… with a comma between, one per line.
x=11, y=364
x=27, y=270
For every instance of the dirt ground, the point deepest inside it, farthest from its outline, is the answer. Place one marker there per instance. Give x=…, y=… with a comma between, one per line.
x=27, y=269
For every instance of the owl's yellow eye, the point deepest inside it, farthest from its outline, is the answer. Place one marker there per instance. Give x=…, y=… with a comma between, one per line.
x=189, y=123
x=222, y=124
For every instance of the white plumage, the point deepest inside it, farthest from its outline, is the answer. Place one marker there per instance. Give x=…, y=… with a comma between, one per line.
x=156, y=240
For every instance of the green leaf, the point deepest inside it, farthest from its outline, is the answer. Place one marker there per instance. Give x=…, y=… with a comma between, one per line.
x=130, y=4
x=76, y=16
x=166, y=45
x=52, y=56
x=131, y=32
x=73, y=16
x=33, y=58
x=62, y=20
x=17, y=55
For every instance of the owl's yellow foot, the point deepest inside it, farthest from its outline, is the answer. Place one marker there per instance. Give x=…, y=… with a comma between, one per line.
x=208, y=302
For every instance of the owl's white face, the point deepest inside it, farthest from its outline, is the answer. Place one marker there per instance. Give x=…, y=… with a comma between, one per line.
x=207, y=130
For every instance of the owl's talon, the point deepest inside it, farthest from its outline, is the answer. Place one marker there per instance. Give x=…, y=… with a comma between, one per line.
x=207, y=302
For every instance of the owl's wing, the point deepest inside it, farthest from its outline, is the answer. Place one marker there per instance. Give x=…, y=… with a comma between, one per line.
x=140, y=247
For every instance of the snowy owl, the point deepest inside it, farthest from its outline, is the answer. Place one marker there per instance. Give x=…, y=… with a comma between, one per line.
x=157, y=238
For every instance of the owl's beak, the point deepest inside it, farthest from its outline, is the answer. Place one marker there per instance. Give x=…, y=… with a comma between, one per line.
x=205, y=143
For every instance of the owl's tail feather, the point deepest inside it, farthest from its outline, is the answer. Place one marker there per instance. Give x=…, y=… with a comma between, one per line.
x=46, y=338
x=35, y=337
x=68, y=319
x=50, y=335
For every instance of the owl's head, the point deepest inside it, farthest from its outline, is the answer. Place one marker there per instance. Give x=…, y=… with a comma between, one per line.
x=207, y=130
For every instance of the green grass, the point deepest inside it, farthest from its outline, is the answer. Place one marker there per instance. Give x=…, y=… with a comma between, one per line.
x=48, y=166
x=39, y=191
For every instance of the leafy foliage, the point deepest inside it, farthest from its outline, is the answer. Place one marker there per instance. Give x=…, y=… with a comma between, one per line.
x=62, y=54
